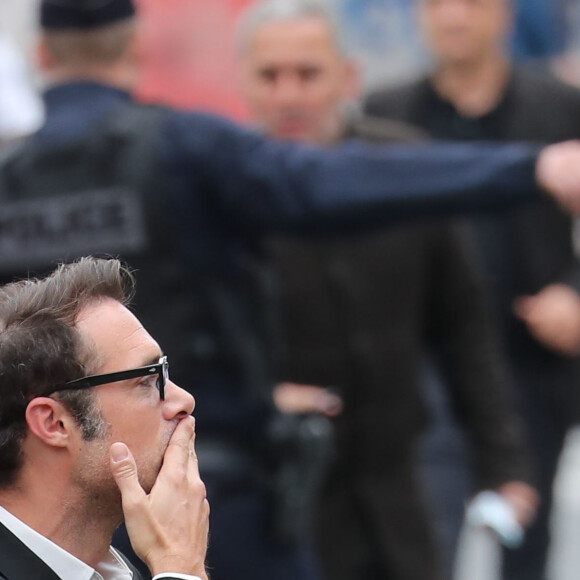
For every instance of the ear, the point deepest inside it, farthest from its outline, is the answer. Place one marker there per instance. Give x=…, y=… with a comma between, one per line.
x=44, y=60
x=50, y=422
x=352, y=88
x=136, y=50
x=509, y=17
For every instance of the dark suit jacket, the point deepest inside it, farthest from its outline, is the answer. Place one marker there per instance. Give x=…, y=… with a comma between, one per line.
x=537, y=108
x=359, y=311
x=17, y=562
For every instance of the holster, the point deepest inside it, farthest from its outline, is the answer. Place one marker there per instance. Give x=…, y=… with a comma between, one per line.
x=303, y=446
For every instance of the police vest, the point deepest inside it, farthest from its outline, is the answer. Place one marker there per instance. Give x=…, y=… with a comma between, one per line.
x=102, y=194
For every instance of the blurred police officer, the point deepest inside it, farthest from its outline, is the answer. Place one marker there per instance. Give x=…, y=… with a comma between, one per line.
x=184, y=197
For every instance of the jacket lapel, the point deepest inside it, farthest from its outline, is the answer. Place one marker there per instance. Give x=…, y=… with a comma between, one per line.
x=18, y=562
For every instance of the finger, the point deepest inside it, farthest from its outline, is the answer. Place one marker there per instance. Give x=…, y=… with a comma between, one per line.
x=178, y=449
x=193, y=462
x=330, y=404
x=124, y=471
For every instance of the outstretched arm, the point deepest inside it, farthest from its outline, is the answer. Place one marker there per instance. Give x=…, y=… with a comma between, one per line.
x=262, y=184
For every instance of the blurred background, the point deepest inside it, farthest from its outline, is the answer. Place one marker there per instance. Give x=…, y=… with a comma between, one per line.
x=189, y=44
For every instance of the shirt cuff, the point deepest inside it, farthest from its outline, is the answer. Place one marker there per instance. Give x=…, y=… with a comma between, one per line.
x=175, y=575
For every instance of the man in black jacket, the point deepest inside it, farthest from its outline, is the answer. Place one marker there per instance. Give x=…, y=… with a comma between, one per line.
x=359, y=312
x=476, y=93
x=93, y=432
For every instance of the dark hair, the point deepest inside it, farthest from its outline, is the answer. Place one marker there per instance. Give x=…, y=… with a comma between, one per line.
x=40, y=346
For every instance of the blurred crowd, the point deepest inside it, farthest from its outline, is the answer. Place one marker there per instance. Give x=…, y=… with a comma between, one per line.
x=413, y=370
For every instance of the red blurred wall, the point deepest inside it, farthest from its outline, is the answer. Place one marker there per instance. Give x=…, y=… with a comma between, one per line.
x=188, y=48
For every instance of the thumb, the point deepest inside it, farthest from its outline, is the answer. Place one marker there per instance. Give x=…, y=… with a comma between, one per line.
x=124, y=471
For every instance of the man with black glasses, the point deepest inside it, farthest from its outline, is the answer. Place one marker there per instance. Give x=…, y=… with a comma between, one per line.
x=93, y=431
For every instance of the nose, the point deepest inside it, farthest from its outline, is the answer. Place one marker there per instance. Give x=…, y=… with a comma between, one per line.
x=287, y=91
x=178, y=402
x=451, y=10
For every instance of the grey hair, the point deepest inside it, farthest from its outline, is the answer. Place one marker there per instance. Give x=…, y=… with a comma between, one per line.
x=264, y=11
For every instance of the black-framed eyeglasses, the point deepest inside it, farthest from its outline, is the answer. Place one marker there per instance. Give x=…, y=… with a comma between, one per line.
x=161, y=369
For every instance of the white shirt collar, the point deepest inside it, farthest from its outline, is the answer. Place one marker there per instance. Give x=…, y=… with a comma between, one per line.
x=65, y=565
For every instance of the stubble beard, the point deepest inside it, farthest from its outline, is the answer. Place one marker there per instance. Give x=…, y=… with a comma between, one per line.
x=93, y=478
x=148, y=476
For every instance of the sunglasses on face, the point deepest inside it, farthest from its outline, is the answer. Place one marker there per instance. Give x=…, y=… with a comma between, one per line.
x=160, y=369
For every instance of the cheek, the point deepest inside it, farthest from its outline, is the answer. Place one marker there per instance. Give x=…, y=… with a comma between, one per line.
x=92, y=469
x=149, y=452
x=136, y=425
x=140, y=434
x=260, y=102
x=326, y=100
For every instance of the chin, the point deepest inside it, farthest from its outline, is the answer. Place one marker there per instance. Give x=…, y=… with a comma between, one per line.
x=295, y=135
x=291, y=130
x=148, y=477
x=457, y=54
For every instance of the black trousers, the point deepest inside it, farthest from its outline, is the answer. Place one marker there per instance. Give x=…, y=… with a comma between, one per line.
x=376, y=526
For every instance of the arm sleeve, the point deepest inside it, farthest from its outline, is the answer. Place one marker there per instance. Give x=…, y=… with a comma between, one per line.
x=474, y=368
x=263, y=184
